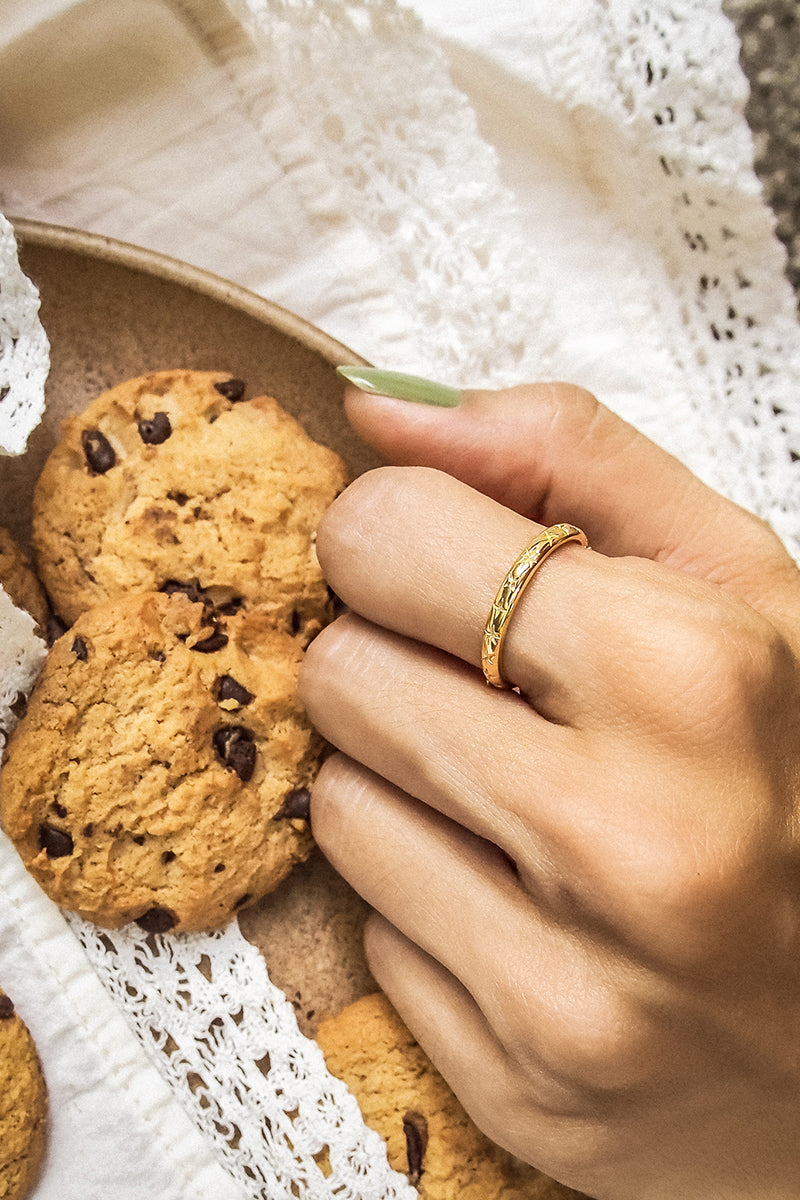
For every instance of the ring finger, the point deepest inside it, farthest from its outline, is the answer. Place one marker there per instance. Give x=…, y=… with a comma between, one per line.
x=580, y=636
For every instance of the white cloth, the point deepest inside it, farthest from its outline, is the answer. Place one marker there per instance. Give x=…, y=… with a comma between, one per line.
x=21, y=659
x=114, y=1128
x=24, y=356
x=477, y=192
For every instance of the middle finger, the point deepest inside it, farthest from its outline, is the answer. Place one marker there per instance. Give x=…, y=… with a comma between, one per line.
x=429, y=724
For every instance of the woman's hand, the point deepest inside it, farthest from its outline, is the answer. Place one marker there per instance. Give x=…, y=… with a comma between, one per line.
x=589, y=889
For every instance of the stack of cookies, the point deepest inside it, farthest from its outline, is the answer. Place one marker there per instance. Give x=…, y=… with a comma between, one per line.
x=161, y=773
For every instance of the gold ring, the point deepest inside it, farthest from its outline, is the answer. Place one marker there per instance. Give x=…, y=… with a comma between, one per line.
x=511, y=589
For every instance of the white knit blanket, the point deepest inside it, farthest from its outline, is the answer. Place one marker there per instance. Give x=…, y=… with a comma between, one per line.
x=482, y=193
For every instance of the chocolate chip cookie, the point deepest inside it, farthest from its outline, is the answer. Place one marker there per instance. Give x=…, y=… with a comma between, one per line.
x=428, y=1134
x=19, y=580
x=161, y=772
x=177, y=476
x=23, y=1105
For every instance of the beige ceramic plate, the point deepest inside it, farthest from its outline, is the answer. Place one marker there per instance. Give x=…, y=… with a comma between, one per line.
x=112, y=311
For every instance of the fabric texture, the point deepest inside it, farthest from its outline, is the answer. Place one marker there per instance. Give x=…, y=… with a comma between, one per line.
x=24, y=351
x=20, y=661
x=478, y=193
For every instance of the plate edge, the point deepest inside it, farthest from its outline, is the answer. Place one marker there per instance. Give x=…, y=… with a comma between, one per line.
x=173, y=270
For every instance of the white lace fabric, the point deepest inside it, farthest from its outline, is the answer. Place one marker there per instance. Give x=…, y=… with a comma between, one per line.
x=231, y=1050
x=24, y=352
x=114, y=1126
x=481, y=193
x=20, y=661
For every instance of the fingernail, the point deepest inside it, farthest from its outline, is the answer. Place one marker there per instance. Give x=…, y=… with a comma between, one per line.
x=401, y=387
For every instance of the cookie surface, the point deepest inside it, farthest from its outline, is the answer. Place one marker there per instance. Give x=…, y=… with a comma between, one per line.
x=428, y=1134
x=23, y=1105
x=175, y=476
x=161, y=771
x=19, y=580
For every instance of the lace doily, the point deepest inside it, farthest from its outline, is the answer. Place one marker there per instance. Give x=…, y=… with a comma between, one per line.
x=400, y=211
x=659, y=140
x=228, y=1043
x=20, y=662
x=24, y=352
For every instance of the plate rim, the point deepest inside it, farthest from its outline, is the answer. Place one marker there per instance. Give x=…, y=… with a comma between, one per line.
x=174, y=270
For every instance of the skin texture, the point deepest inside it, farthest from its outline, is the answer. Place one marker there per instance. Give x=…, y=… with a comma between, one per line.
x=587, y=891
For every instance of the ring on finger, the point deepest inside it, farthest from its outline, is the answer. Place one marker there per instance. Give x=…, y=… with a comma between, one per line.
x=510, y=592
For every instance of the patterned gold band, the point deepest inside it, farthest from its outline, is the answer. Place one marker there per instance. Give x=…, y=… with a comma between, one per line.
x=511, y=589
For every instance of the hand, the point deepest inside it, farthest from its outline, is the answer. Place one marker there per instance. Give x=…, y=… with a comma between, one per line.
x=587, y=893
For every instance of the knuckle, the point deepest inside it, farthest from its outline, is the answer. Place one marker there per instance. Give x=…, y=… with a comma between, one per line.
x=335, y=641
x=325, y=795
x=714, y=665
x=591, y=430
x=588, y=1034
x=386, y=516
x=336, y=792
x=347, y=519
x=328, y=662
x=690, y=896
x=692, y=880
x=600, y=1044
x=316, y=662
x=739, y=664
x=574, y=413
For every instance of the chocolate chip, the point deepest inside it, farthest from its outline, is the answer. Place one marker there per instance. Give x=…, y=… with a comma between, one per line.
x=415, y=1128
x=157, y=920
x=88, y=830
x=79, y=649
x=98, y=451
x=59, y=809
x=296, y=806
x=6, y=1008
x=236, y=749
x=138, y=840
x=230, y=607
x=56, y=843
x=154, y=430
x=191, y=589
x=179, y=498
x=229, y=688
x=214, y=641
x=168, y=856
x=231, y=389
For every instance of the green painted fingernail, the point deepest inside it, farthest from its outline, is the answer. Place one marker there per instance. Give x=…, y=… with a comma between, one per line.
x=401, y=387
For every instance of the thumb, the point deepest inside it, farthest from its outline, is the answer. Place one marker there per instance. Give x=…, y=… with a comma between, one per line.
x=552, y=452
